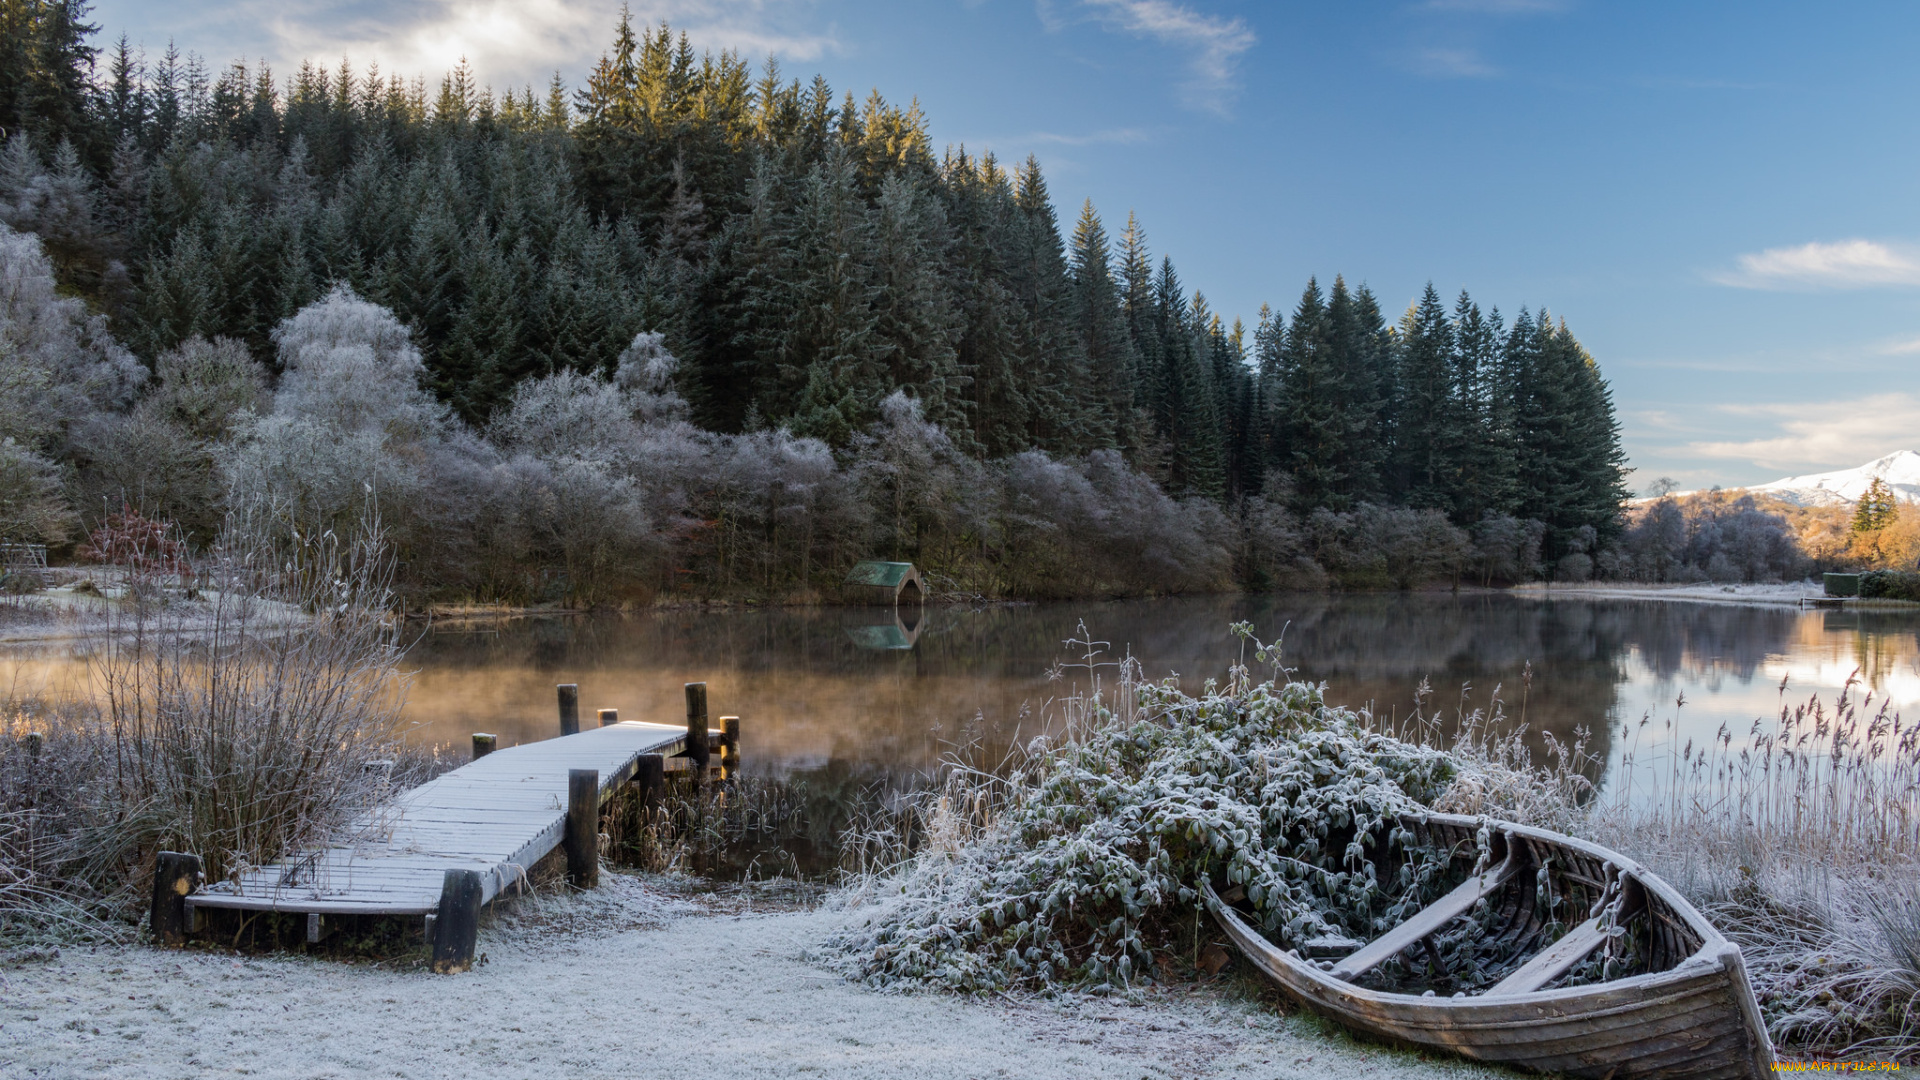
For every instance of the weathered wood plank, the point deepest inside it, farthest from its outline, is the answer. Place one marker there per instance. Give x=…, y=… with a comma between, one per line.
x=1424, y=922
x=1553, y=961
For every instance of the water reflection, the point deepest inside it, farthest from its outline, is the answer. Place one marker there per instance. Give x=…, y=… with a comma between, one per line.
x=866, y=691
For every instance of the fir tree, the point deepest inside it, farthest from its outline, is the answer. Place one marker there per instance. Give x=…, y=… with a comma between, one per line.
x=1876, y=509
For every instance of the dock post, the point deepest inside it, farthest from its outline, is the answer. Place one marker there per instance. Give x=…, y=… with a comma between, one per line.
x=569, y=708
x=457, y=923
x=650, y=776
x=175, y=875
x=583, y=828
x=483, y=744
x=609, y=717
x=729, y=747
x=697, y=749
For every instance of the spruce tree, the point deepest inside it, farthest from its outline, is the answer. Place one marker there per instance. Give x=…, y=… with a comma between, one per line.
x=1422, y=470
x=1100, y=326
x=1185, y=410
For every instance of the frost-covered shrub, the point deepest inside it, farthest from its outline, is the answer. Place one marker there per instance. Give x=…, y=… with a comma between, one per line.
x=58, y=364
x=32, y=507
x=1094, y=859
x=1375, y=547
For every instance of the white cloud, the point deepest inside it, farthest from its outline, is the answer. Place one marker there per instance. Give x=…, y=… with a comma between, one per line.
x=1809, y=436
x=1499, y=7
x=1452, y=64
x=511, y=42
x=1214, y=44
x=1110, y=137
x=1844, y=264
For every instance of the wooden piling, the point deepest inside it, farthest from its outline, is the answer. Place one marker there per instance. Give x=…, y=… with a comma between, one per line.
x=583, y=828
x=483, y=744
x=34, y=739
x=609, y=717
x=650, y=776
x=175, y=875
x=457, y=923
x=569, y=708
x=697, y=748
x=729, y=747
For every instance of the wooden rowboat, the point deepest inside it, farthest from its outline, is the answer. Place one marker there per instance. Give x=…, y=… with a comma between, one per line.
x=1644, y=988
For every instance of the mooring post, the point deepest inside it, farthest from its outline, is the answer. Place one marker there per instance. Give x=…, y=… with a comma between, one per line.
x=457, y=923
x=697, y=749
x=569, y=708
x=729, y=747
x=175, y=876
x=483, y=744
x=34, y=740
x=583, y=828
x=609, y=717
x=650, y=776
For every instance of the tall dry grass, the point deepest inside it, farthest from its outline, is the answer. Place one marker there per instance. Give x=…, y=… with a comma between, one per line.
x=1799, y=838
x=239, y=710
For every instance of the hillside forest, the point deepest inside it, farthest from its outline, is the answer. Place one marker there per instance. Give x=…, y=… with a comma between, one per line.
x=693, y=329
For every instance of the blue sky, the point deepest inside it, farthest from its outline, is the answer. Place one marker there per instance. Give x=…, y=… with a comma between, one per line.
x=1718, y=198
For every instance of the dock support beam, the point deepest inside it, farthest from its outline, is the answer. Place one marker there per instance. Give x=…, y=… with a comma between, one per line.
x=697, y=749
x=457, y=923
x=175, y=875
x=609, y=717
x=583, y=828
x=650, y=777
x=569, y=708
x=729, y=747
x=483, y=744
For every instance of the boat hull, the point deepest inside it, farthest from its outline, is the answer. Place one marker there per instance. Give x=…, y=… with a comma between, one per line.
x=1697, y=1020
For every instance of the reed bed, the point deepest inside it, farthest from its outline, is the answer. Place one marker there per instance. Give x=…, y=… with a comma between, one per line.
x=240, y=709
x=1800, y=838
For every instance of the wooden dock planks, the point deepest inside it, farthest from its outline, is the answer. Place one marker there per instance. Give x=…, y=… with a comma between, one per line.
x=496, y=816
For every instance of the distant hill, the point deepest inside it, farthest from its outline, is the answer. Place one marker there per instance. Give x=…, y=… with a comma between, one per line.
x=1900, y=470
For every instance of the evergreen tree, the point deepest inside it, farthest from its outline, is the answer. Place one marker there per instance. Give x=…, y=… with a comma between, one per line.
x=1424, y=472
x=1876, y=509
x=1185, y=410
x=1100, y=327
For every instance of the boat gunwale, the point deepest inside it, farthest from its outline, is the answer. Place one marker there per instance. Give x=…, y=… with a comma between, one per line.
x=1716, y=956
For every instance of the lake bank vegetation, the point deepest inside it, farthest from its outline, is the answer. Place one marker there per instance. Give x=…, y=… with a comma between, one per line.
x=1073, y=866
x=692, y=332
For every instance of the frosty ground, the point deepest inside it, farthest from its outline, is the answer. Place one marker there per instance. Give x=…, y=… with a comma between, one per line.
x=627, y=980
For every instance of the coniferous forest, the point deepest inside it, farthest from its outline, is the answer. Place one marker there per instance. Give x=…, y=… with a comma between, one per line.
x=697, y=328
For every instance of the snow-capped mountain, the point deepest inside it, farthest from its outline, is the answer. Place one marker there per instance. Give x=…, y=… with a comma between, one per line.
x=1900, y=470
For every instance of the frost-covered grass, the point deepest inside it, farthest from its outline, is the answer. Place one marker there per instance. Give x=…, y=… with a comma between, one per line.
x=1080, y=864
x=1799, y=838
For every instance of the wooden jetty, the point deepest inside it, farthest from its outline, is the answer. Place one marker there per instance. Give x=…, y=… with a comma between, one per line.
x=447, y=848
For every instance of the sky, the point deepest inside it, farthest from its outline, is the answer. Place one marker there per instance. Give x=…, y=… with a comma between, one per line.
x=1718, y=198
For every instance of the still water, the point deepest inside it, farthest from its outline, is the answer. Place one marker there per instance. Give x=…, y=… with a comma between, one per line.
x=852, y=691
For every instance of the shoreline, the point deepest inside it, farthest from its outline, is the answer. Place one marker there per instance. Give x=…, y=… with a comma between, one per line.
x=1790, y=595
x=631, y=977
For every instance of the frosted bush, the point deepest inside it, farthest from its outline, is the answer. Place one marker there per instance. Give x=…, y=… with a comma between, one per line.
x=1094, y=860
x=58, y=364
x=352, y=364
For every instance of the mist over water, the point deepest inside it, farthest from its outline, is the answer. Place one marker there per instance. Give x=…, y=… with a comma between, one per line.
x=820, y=690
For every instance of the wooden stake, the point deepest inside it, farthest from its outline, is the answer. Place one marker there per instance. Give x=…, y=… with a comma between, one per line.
x=175, y=875
x=569, y=708
x=697, y=750
x=609, y=717
x=650, y=775
x=483, y=744
x=457, y=923
x=583, y=828
x=729, y=746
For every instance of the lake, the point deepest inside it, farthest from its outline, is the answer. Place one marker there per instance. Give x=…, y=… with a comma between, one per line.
x=853, y=691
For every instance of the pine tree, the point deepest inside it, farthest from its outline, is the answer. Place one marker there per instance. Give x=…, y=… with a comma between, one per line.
x=1100, y=325
x=1185, y=411
x=1876, y=509
x=1424, y=474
